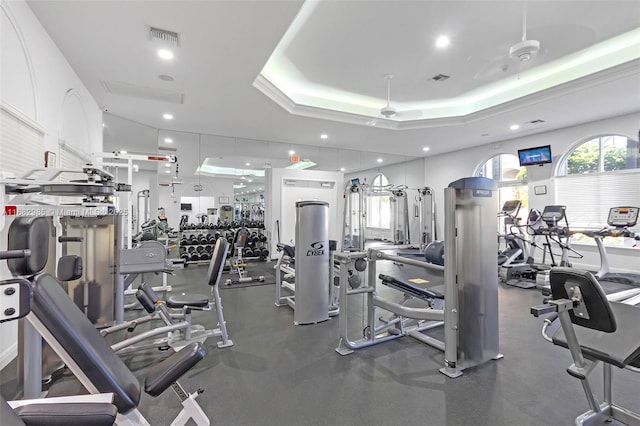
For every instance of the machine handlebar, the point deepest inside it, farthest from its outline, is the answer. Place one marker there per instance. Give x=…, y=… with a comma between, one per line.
x=14, y=254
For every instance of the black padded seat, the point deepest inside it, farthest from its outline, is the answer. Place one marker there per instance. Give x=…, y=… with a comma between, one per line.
x=162, y=375
x=8, y=416
x=68, y=414
x=621, y=348
x=108, y=373
x=188, y=300
x=409, y=288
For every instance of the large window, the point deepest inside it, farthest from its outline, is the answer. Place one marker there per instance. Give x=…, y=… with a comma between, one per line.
x=379, y=204
x=602, y=154
x=511, y=179
x=598, y=174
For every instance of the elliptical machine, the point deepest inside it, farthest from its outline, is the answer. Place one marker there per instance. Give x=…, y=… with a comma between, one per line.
x=514, y=251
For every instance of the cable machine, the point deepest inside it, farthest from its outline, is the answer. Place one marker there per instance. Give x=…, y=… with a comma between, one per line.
x=355, y=232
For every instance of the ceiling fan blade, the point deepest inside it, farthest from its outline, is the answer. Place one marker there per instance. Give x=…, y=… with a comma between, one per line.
x=410, y=114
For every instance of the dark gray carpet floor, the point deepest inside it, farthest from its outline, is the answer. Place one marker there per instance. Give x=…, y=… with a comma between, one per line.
x=286, y=375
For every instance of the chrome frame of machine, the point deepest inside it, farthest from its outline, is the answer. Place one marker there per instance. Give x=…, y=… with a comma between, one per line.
x=400, y=216
x=426, y=216
x=470, y=314
x=354, y=230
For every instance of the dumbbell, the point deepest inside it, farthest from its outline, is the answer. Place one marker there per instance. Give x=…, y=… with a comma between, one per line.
x=191, y=249
x=194, y=257
x=182, y=249
x=264, y=252
x=200, y=249
x=211, y=239
x=248, y=252
x=263, y=238
x=209, y=248
x=183, y=241
x=185, y=256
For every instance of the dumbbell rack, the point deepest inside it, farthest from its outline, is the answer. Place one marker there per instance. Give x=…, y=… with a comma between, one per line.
x=256, y=241
x=193, y=243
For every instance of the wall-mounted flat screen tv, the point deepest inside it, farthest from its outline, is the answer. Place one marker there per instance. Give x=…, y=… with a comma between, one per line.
x=537, y=155
x=185, y=207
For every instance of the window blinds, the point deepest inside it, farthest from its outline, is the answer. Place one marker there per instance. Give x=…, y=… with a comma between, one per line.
x=589, y=197
x=21, y=144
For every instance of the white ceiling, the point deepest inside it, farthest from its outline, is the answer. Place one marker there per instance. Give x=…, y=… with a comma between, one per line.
x=345, y=46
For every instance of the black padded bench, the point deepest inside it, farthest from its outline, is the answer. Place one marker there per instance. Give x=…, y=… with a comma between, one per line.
x=410, y=288
x=594, y=330
x=80, y=345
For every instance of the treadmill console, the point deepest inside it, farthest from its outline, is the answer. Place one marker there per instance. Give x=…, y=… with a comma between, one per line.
x=622, y=217
x=552, y=215
x=510, y=207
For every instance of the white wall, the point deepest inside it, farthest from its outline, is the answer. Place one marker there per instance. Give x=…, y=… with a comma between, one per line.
x=39, y=83
x=276, y=192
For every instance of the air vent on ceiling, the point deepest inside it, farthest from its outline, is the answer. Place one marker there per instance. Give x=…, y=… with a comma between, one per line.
x=164, y=36
x=440, y=77
x=142, y=92
x=536, y=121
x=164, y=148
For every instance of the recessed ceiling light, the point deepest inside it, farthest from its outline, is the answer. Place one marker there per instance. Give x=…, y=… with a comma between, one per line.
x=379, y=160
x=167, y=171
x=165, y=54
x=442, y=42
x=324, y=136
x=123, y=152
x=168, y=140
x=247, y=164
x=514, y=126
x=249, y=180
x=167, y=116
x=425, y=149
x=167, y=165
x=292, y=152
x=342, y=169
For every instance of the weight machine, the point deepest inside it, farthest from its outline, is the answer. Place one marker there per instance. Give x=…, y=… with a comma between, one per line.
x=469, y=279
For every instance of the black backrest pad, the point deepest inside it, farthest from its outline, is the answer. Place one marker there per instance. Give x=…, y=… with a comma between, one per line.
x=217, y=261
x=594, y=300
x=29, y=233
x=69, y=268
x=148, y=290
x=89, y=350
x=147, y=303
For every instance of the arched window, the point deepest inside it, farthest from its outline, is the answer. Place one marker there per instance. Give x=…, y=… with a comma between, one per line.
x=601, y=154
x=379, y=203
x=511, y=179
x=595, y=175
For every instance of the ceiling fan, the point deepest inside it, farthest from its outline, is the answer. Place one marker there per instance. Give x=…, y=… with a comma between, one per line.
x=389, y=111
x=525, y=50
x=518, y=58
